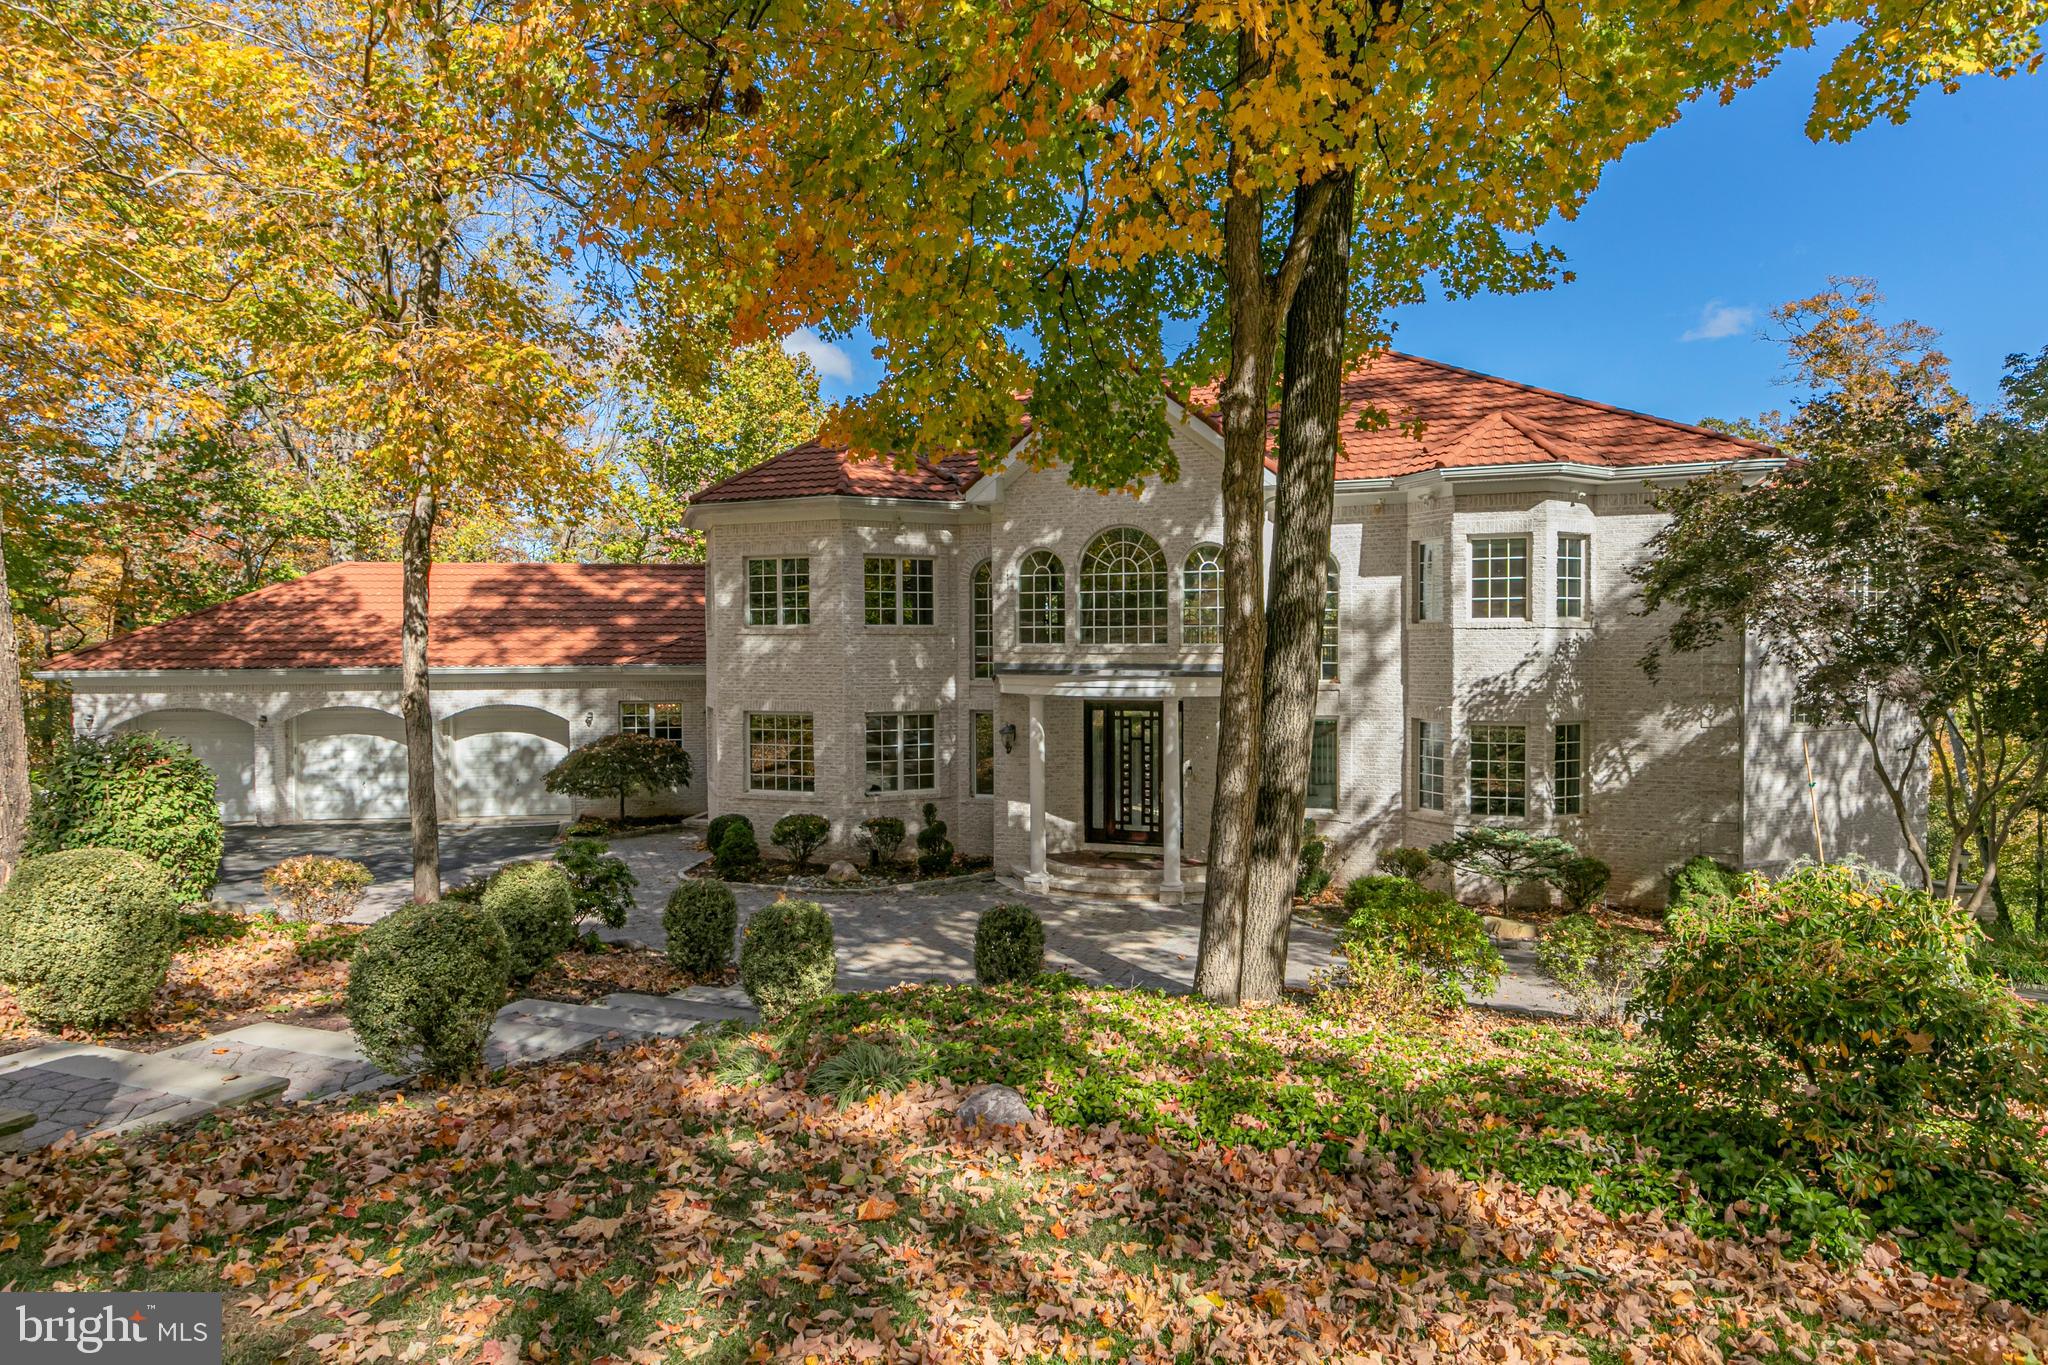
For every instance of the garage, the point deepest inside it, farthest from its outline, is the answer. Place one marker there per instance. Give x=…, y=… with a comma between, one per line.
x=499, y=757
x=348, y=763
x=222, y=743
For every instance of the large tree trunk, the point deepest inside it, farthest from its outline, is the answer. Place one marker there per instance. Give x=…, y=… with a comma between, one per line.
x=1311, y=402
x=13, y=733
x=415, y=704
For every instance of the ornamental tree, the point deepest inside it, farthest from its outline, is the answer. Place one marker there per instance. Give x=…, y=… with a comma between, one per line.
x=620, y=765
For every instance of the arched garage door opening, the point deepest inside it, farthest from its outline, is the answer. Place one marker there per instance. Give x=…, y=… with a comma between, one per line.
x=348, y=763
x=499, y=757
x=224, y=744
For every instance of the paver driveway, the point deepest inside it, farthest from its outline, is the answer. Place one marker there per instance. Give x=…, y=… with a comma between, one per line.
x=383, y=846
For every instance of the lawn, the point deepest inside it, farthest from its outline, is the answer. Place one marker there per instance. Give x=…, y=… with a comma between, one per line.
x=1451, y=1190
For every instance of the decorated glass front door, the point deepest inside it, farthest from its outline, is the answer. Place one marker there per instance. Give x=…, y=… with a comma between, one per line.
x=1123, y=772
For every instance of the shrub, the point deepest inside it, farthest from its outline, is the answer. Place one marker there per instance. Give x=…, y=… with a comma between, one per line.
x=868, y=1066
x=601, y=883
x=1597, y=966
x=882, y=836
x=619, y=765
x=1582, y=881
x=934, y=849
x=1842, y=1016
x=1508, y=857
x=714, y=831
x=141, y=792
x=786, y=956
x=1009, y=945
x=735, y=854
x=1392, y=916
x=536, y=907
x=424, y=987
x=1312, y=874
x=318, y=890
x=1366, y=984
x=1412, y=863
x=1699, y=879
x=587, y=828
x=700, y=920
x=801, y=836
x=88, y=935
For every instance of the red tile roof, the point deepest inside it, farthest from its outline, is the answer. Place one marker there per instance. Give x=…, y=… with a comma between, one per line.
x=481, y=616
x=820, y=471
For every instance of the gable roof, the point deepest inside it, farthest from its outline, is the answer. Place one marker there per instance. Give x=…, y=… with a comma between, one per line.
x=823, y=471
x=480, y=616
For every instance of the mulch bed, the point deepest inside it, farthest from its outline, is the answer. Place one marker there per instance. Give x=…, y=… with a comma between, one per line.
x=781, y=873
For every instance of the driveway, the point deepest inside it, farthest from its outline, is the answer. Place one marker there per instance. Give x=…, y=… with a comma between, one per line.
x=383, y=846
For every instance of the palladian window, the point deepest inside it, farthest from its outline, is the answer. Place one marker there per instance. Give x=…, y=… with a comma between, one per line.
x=1123, y=590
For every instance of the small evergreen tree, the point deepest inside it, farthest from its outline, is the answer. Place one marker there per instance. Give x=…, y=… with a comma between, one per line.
x=934, y=849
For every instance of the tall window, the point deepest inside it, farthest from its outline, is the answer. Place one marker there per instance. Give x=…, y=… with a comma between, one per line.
x=900, y=752
x=1571, y=578
x=1322, y=765
x=898, y=591
x=984, y=752
x=984, y=624
x=1500, y=578
x=1201, y=596
x=655, y=719
x=778, y=592
x=779, y=753
x=1499, y=770
x=1332, y=597
x=1568, y=769
x=1427, y=567
x=1123, y=590
x=1042, y=599
x=1429, y=765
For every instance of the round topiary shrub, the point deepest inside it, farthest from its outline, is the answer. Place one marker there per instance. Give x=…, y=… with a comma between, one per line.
x=786, y=956
x=317, y=890
x=701, y=919
x=1009, y=945
x=141, y=792
x=715, y=831
x=934, y=849
x=801, y=835
x=1582, y=882
x=735, y=853
x=535, y=904
x=86, y=936
x=424, y=986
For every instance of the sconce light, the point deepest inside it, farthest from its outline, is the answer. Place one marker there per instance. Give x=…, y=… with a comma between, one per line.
x=589, y=717
x=1009, y=737
x=263, y=720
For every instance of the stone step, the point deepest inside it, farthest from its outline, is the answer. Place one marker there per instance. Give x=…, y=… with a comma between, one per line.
x=14, y=1123
x=679, y=1007
x=599, y=1020
x=81, y=1088
x=316, y=1061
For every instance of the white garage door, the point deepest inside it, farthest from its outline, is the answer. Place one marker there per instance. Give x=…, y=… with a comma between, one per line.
x=224, y=744
x=348, y=764
x=499, y=756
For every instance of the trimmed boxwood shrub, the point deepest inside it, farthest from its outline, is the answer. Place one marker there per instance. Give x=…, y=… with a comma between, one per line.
x=86, y=936
x=141, y=792
x=801, y=836
x=535, y=905
x=700, y=920
x=1582, y=882
x=786, y=956
x=1009, y=945
x=735, y=853
x=715, y=831
x=424, y=987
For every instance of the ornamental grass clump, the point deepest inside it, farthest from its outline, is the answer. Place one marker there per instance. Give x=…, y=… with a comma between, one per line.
x=425, y=985
x=1009, y=945
x=86, y=936
x=700, y=921
x=786, y=956
x=317, y=890
x=535, y=905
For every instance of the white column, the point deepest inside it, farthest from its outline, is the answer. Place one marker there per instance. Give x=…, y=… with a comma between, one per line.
x=1169, y=884
x=266, y=785
x=1037, y=880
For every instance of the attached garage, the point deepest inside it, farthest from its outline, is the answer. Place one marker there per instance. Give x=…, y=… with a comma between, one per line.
x=222, y=743
x=499, y=757
x=348, y=763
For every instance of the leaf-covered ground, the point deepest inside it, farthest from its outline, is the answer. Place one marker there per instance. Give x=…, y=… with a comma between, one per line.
x=637, y=1207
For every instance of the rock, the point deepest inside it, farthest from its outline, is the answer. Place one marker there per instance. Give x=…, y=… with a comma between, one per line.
x=995, y=1105
x=1510, y=930
x=841, y=872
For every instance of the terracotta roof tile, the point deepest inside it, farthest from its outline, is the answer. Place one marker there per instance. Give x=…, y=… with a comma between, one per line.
x=482, y=616
x=820, y=471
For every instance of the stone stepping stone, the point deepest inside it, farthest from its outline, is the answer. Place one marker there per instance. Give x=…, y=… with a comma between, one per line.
x=80, y=1088
x=601, y=1020
x=683, y=1005
x=315, y=1061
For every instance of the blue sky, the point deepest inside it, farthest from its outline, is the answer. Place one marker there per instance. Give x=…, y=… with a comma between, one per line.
x=1696, y=233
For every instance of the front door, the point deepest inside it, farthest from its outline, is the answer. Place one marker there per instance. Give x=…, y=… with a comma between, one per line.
x=1123, y=772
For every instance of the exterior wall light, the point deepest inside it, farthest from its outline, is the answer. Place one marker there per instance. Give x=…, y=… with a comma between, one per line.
x=1009, y=733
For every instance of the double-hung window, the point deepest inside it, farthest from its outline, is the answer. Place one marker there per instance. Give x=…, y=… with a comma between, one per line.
x=1568, y=769
x=1499, y=770
x=1322, y=765
x=654, y=719
x=1429, y=765
x=1571, y=578
x=778, y=592
x=984, y=624
x=898, y=591
x=1426, y=565
x=1500, y=578
x=780, y=757
x=1332, y=610
x=901, y=752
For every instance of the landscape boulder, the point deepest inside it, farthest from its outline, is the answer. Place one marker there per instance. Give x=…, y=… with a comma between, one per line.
x=998, y=1106
x=842, y=872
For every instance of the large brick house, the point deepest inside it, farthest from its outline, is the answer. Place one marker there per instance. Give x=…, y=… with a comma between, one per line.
x=1040, y=661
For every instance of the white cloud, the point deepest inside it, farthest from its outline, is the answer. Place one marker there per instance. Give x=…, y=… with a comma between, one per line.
x=832, y=360
x=1719, y=321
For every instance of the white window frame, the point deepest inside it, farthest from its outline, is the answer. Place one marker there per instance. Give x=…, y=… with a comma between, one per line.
x=899, y=747
x=797, y=769
x=1329, y=633
x=1568, y=783
x=1326, y=726
x=1570, y=598
x=1041, y=599
x=1497, y=771
x=898, y=590
x=1509, y=600
x=1201, y=596
x=1431, y=759
x=982, y=625
x=1123, y=593
x=787, y=599
x=1426, y=566
x=654, y=719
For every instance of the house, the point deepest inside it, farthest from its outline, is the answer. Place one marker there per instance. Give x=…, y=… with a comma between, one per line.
x=1042, y=663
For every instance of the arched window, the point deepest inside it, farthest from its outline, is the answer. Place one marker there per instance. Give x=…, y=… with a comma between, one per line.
x=984, y=624
x=1330, y=597
x=1123, y=590
x=1042, y=599
x=1201, y=596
